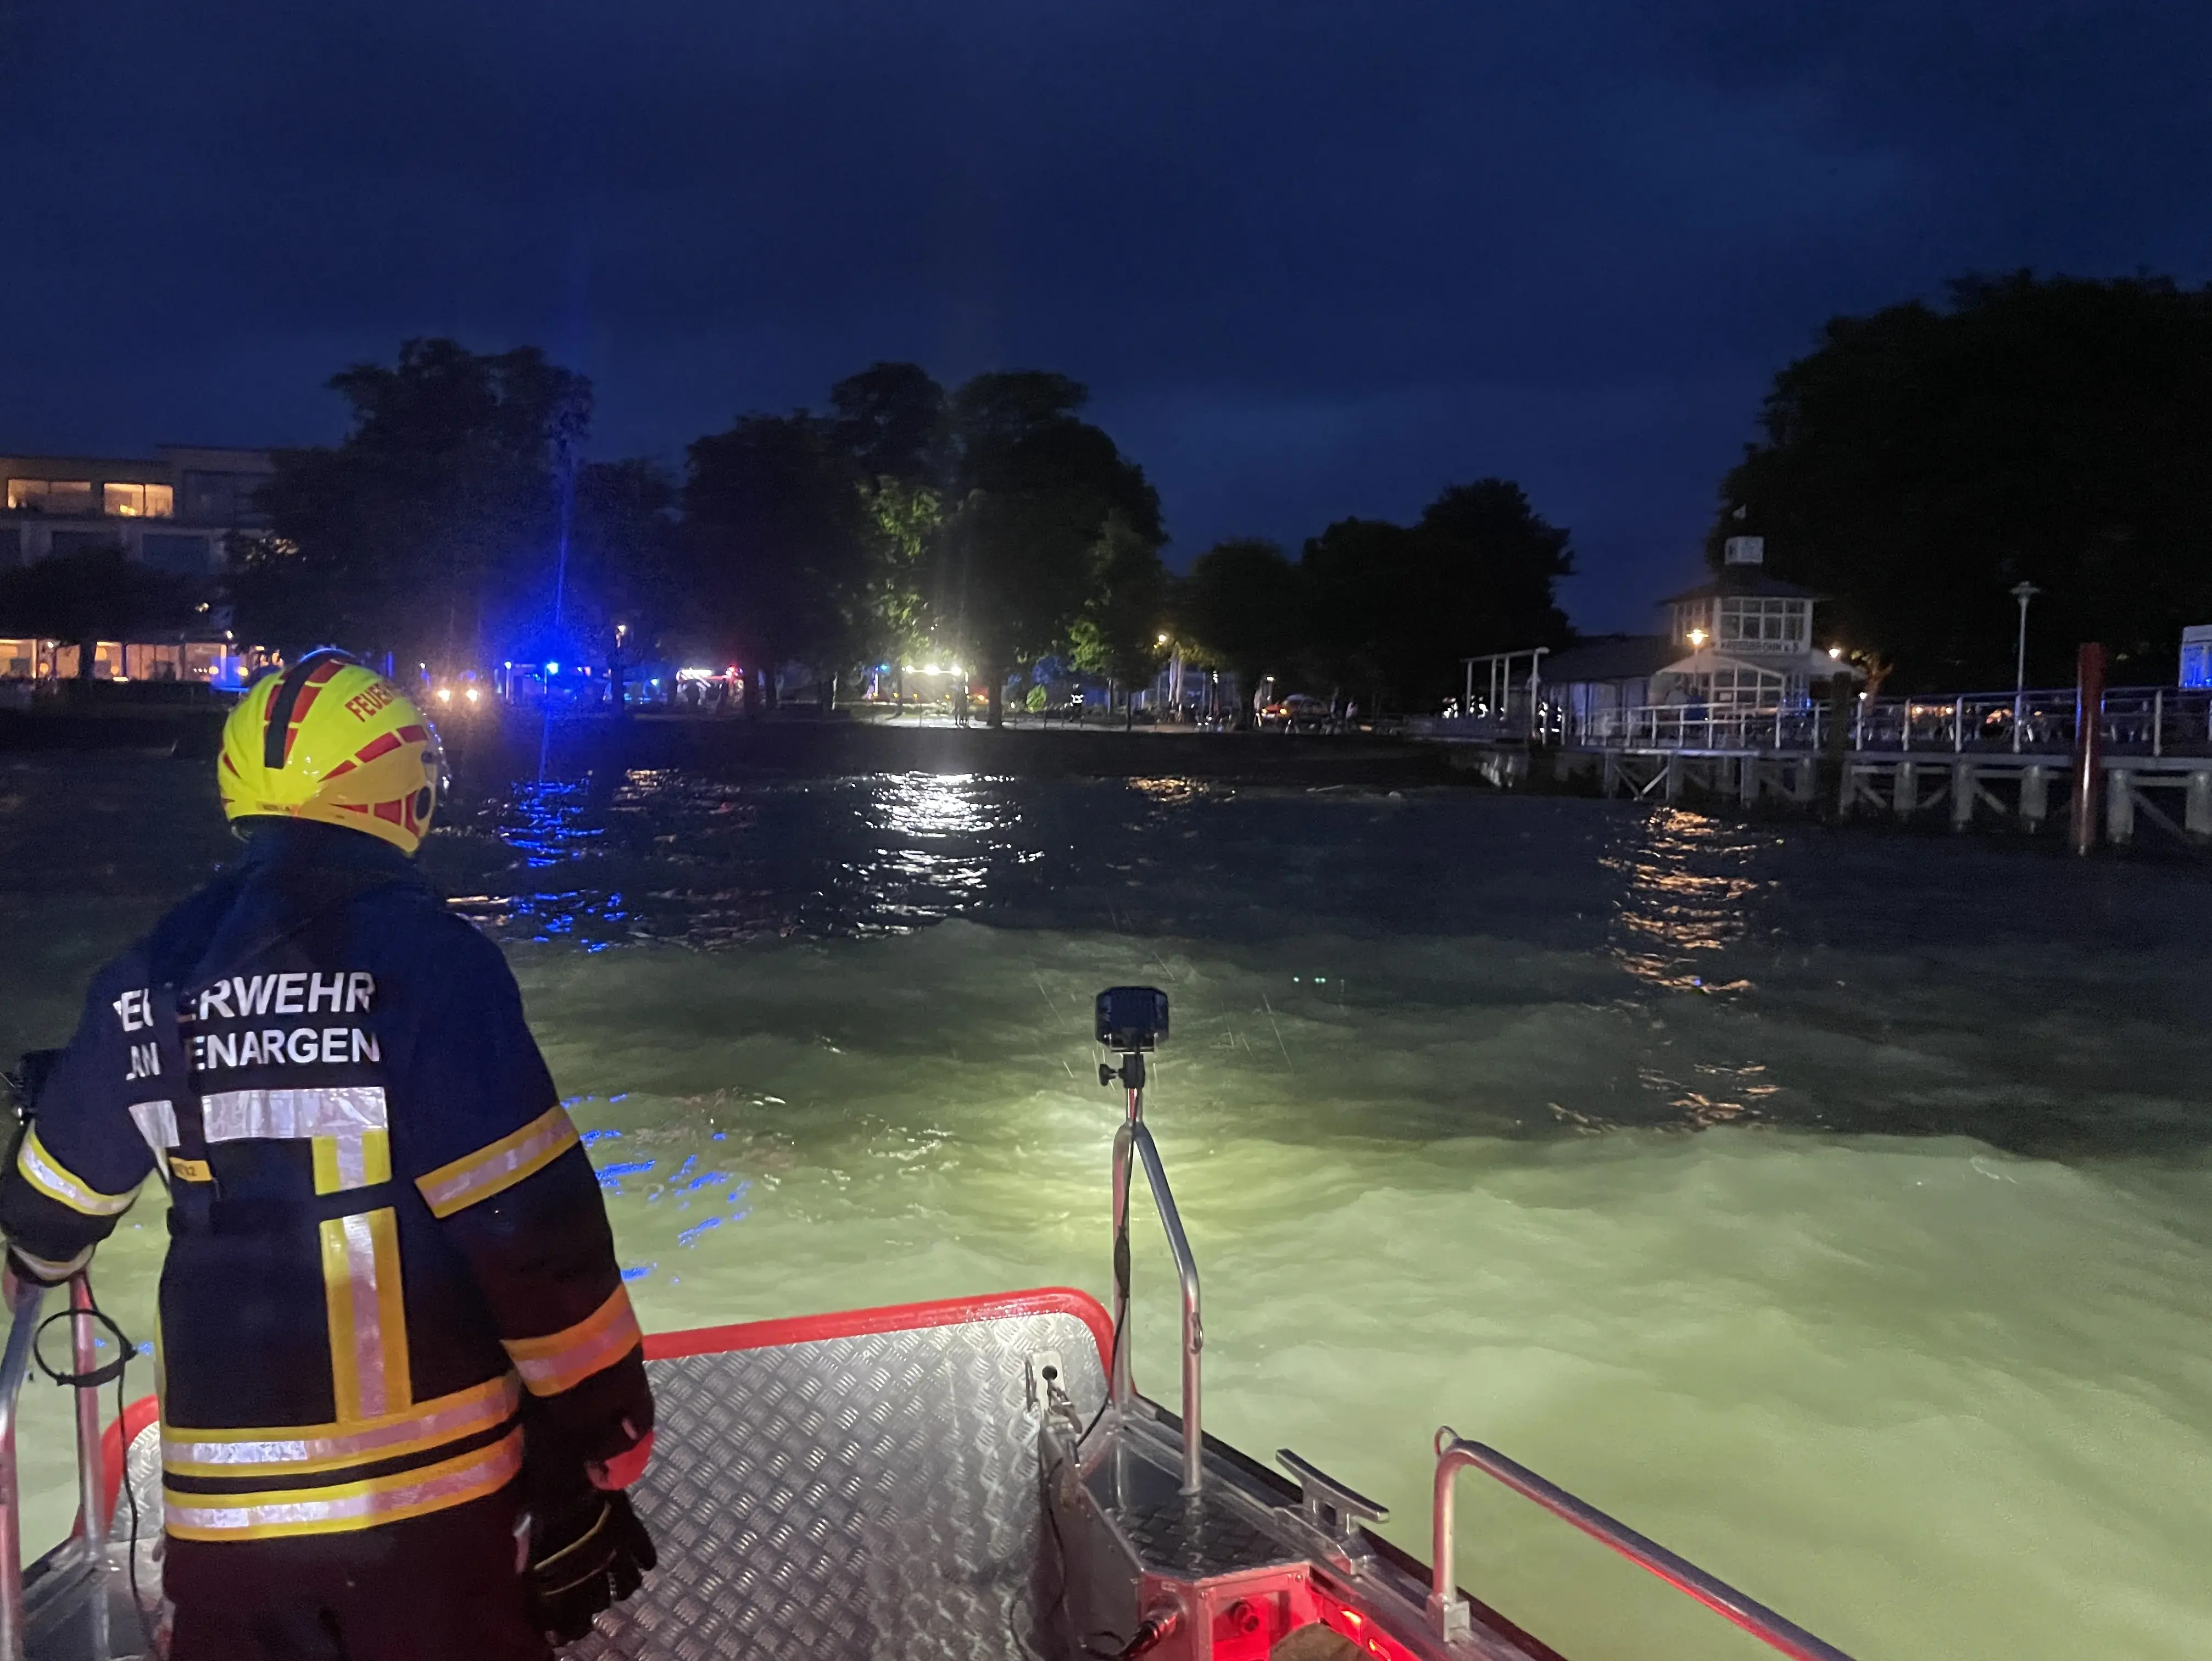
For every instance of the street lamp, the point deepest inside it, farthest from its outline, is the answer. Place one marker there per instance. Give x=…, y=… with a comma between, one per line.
x=2022, y=592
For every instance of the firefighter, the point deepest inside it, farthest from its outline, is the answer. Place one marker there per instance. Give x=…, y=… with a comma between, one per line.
x=402, y=1387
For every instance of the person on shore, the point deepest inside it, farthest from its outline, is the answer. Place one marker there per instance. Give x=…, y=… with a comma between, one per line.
x=402, y=1386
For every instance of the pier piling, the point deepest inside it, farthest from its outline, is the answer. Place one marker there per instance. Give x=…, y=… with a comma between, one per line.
x=2088, y=742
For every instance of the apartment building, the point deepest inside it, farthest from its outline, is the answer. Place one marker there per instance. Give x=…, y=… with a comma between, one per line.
x=173, y=511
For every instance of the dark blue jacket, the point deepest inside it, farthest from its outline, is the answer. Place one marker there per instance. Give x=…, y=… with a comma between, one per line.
x=386, y=1238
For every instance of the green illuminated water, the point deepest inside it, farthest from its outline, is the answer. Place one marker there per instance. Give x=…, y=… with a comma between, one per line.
x=1833, y=1208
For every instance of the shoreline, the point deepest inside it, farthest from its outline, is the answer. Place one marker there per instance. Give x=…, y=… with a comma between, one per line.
x=809, y=743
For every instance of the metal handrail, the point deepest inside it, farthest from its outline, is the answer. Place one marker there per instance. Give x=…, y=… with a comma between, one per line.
x=25, y=1299
x=2133, y=721
x=1448, y=1610
x=93, y=1504
x=1135, y=1134
x=1194, y=1331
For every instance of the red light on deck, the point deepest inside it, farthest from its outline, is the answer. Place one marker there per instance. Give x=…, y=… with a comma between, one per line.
x=1343, y=1619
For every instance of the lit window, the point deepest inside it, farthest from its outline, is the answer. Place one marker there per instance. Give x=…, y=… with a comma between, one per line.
x=50, y=495
x=1779, y=623
x=138, y=500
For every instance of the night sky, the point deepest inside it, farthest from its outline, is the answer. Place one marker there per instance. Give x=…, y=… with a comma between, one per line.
x=1313, y=258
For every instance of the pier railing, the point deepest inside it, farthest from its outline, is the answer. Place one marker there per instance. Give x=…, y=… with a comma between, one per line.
x=2135, y=721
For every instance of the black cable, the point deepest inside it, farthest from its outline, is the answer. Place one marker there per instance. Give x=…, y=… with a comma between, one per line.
x=1113, y=1364
x=1113, y=1349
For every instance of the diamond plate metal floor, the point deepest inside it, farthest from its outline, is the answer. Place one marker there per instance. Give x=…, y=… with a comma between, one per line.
x=867, y=1496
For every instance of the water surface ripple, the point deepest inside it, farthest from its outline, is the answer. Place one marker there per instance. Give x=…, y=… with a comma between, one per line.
x=1834, y=1206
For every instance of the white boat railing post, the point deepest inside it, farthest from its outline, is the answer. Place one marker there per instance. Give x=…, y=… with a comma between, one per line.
x=24, y=1300
x=91, y=1479
x=91, y=1484
x=1193, y=1332
x=1118, y=1385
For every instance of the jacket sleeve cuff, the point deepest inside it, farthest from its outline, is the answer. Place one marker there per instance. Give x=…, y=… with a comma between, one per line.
x=605, y=1415
x=46, y=1271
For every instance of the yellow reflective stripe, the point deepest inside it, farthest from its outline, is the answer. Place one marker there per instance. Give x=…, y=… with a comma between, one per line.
x=498, y=1165
x=398, y=1390
x=57, y=1182
x=337, y=1312
x=352, y=1159
x=561, y=1361
x=338, y=1508
x=298, y=1450
x=366, y=1310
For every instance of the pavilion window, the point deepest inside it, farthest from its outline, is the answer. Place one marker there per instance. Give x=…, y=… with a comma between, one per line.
x=1777, y=623
x=138, y=500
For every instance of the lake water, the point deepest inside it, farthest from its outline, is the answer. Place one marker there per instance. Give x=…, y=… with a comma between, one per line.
x=1834, y=1207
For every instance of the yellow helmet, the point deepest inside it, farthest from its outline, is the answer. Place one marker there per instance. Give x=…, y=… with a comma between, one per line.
x=331, y=740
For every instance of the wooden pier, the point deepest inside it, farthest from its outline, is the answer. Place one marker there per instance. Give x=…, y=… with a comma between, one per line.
x=1974, y=761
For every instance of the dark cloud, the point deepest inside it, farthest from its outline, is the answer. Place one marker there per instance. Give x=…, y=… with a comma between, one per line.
x=1314, y=258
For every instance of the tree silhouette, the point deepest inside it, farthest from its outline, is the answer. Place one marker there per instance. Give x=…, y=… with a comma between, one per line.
x=1921, y=462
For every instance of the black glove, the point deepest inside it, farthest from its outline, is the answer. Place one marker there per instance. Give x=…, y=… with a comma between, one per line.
x=587, y=1555
x=27, y=1080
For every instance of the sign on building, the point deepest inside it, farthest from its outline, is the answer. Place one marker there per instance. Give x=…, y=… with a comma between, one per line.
x=2196, y=655
x=1744, y=550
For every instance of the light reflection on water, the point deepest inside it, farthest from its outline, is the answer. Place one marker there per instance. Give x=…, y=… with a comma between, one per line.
x=1689, y=892
x=662, y=855
x=1490, y=906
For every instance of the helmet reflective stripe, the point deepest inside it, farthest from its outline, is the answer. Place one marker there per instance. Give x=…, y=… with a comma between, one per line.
x=289, y=703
